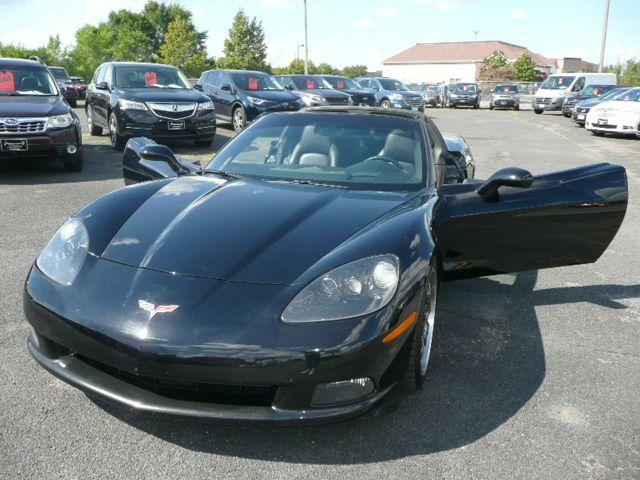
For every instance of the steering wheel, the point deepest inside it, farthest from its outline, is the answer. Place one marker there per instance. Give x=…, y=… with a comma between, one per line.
x=387, y=160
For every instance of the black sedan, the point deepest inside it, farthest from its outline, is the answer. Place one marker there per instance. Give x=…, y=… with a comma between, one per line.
x=294, y=279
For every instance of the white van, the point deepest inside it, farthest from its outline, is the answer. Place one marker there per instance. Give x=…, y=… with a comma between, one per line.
x=553, y=90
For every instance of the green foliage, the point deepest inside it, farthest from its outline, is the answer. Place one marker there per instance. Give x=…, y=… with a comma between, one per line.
x=296, y=66
x=326, y=69
x=525, y=68
x=183, y=48
x=496, y=67
x=245, y=48
x=52, y=53
x=354, y=71
x=628, y=73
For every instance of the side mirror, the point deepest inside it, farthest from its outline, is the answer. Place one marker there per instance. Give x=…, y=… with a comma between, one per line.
x=145, y=160
x=288, y=87
x=226, y=87
x=198, y=87
x=506, y=177
x=102, y=86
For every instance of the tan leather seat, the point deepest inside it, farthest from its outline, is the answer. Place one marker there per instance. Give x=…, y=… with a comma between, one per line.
x=314, y=149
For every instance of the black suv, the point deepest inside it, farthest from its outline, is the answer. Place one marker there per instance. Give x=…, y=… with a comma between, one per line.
x=313, y=90
x=147, y=100
x=239, y=96
x=66, y=85
x=359, y=95
x=392, y=93
x=35, y=120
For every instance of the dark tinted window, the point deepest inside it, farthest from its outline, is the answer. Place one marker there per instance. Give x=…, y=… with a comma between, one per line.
x=26, y=80
x=59, y=73
x=506, y=89
x=254, y=82
x=149, y=76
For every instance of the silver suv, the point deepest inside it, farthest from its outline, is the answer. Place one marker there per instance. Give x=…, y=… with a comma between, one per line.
x=505, y=96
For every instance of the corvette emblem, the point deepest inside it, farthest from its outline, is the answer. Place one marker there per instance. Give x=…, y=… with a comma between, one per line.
x=153, y=309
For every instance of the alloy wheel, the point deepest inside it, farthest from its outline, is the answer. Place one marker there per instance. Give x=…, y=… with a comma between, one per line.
x=427, y=330
x=238, y=120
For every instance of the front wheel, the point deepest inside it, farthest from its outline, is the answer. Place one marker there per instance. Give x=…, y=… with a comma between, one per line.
x=385, y=104
x=476, y=106
x=517, y=107
x=422, y=336
x=239, y=119
x=537, y=111
x=118, y=141
x=73, y=103
x=93, y=129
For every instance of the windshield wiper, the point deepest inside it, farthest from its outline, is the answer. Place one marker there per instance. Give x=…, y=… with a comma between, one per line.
x=222, y=173
x=308, y=182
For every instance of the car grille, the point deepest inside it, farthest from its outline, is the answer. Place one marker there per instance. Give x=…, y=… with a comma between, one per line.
x=582, y=110
x=543, y=100
x=414, y=100
x=337, y=101
x=173, y=111
x=247, y=395
x=22, y=125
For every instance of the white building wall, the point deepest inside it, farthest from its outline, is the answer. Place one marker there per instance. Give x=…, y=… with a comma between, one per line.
x=431, y=72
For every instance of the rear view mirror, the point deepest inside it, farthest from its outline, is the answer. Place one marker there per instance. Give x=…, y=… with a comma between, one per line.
x=506, y=177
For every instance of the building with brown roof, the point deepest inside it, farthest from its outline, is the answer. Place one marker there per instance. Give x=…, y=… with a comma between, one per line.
x=454, y=61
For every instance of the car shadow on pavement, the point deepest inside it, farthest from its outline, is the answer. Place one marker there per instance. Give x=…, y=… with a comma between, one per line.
x=487, y=363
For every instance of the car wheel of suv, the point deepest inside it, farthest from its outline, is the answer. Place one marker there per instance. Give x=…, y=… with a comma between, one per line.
x=75, y=165
x=117, y=141
x=491, y=107
x=93, y=130
x=537, y=111
x=517, y=107
x=239, y=119
x=385, y=104
x=422, y=336
x=73, y=103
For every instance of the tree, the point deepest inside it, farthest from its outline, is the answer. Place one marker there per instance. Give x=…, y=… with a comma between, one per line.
x=525, y=68
x=354, y=71
x=183, y=49
x=496, y=67
x=326, y=69
x=628, y=73
x=296, y=66
x=245, y=48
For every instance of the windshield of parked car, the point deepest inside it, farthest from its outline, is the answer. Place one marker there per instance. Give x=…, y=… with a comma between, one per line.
x=632, y=95
x=254, y=82
x=342, y=83
x=308, y=82
x=390, y=84
x=614, y=93
x=78, y=80
x=371, y=152
x=558, y=83
x=506, y=89
x=150, y=76
x=594, y=91
x=59, y=73
x=463, y=88
x=26, y=80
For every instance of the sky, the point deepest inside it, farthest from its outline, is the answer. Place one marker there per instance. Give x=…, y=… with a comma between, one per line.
x=349, y=32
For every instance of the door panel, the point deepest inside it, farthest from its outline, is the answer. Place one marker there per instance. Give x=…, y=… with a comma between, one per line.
x=564, y=218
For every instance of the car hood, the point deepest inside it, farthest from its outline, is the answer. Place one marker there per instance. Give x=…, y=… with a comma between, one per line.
x=243, y=231
x=274, y=96
x=35, y=106
x=617, y=106
x=326, y=93
x=591, y=102
x=162, y=95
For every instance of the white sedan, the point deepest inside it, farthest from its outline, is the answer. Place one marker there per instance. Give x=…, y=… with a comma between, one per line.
x=621, y=115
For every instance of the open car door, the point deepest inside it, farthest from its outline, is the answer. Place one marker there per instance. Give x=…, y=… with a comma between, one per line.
x=514, y=223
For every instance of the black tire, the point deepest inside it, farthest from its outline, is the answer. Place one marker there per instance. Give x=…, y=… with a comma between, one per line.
x=93, y=130
x=416, y=371
x=385, y=104
x=537, y=111
x=597, y=134
x=204, y=143
x=73, y=103
x=517, y=107
x=118, y=141
x=238, y=119
x=566, y=115
x=75, y=165
x=476, y=106
x=491, y=107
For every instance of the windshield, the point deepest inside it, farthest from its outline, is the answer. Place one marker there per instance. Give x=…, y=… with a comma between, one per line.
x=390, y=84
x=463, y=88
x=632, y=95
x=506, y=89
x=594, y=91
x=558, y=83
x=307, y=82
x=77, y=80
x=26, y=80
x=150, y=76
x=370, y=152
x=254, y=82
x=342, y=83
x=59, y=73
x=614, y=93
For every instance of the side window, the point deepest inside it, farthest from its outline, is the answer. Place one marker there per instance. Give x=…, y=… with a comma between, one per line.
x=579, y=85
x=108, y=75
x=287, y=81
x=100, y=74
x=365, y=83
x=438, y=150
x=225, y=79
x=374, y=84
x=212, y=78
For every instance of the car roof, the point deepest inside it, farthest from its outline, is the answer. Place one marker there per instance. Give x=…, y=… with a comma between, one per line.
x=140, y=64
x=21, y=62
x=253, y=72
x=298, y=75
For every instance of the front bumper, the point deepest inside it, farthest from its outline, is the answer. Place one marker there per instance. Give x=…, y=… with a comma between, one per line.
x=405, y=105
x=547, y=104
x=613, y=125
x=51, y=144
x=568, y=108
x=142, y=123
x=505, y=102
x=579, y=117
x=252, y=111
x=464, y=101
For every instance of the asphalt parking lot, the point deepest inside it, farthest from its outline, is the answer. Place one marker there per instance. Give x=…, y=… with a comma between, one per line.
x=534, y=375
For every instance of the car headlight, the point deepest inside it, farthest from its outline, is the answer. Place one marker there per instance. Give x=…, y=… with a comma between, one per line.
x=258, y=101
x=352, y=290
x=131, y=105
x=397, y=96
x=60, y=121
x=63, y=256
x=453, y=95
x=310, y=99
x=205, y=106
x=350, y=100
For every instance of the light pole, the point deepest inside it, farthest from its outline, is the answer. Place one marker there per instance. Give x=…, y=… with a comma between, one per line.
x=604, y=37
x=306, y=42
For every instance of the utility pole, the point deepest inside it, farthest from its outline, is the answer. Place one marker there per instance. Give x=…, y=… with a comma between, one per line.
x=604, y=37
x=475, y=34
x=298, y=51
x=306, y=42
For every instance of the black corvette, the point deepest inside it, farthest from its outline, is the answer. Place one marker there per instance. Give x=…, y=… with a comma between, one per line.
x=293, y=279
